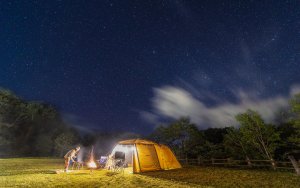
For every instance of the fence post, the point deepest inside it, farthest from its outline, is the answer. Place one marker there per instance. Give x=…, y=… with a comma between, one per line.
x=199, y=160
x=213, y=161
x=229, y=161
x=273, y=164
x=186, y=161
x=248, y=162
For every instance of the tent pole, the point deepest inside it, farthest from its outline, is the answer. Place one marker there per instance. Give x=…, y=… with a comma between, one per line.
x=157, y=156
x=137, y=154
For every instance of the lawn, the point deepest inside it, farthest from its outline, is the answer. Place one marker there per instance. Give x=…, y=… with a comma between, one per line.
x=40, y=172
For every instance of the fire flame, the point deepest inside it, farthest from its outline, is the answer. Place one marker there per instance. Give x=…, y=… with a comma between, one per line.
x=92, y=164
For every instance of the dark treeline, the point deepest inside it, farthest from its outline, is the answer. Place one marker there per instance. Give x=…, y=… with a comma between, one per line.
x=37, y=129
x=32, y=128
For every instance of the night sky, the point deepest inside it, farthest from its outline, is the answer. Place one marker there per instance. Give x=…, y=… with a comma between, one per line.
x=131, y=65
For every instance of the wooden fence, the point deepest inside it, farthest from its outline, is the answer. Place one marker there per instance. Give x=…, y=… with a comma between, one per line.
x=229, y=162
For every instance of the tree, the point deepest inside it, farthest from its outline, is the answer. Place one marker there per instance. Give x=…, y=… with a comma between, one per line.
x=295, y=108
x=64, y=142
x=181, y=135
x=236, y=144
x=215, y=135
x=28, y=128
x=287, y=131
x=11, y=109
x=213, y=146
x=6, y=139
x=257, y=134
x=44, y=145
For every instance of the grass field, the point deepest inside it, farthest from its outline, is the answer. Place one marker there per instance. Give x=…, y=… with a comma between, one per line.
x=40, y=172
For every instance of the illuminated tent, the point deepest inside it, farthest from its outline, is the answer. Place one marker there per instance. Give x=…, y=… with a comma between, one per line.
x=143, y=155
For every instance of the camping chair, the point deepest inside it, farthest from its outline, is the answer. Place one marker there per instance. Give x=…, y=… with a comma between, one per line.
x=102, y=161
x=118, y=163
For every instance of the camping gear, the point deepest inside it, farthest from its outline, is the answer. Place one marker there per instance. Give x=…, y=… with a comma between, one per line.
x=102, y=161
x=118, y=165
x=141, y=156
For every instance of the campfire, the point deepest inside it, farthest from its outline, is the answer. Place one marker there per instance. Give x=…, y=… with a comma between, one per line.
x=91, y=163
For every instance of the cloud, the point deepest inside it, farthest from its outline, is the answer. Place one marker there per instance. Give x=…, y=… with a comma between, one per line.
x=175, y=102
x=149, y=117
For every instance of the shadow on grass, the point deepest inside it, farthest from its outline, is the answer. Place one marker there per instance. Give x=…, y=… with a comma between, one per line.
x=28, y=172
x=173, y=175
x=111, y=173
x=227, y=177
x=48, y=172
x=81, y=173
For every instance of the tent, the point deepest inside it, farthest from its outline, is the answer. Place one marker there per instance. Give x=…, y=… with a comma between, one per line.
x=143, y=155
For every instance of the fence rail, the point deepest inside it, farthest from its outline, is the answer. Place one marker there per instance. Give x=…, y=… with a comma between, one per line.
x=280, y=165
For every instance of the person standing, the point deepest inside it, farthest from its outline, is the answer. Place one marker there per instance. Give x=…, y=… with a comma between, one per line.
x=70, y=157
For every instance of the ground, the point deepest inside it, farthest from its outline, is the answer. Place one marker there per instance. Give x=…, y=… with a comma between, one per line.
x=40, y=172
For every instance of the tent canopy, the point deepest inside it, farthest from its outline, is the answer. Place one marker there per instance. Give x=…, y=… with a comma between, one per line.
x=145, y=155
x=135, y=141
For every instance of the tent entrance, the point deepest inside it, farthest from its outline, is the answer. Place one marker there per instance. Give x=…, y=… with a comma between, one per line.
x=148, y=159
x=124, y=153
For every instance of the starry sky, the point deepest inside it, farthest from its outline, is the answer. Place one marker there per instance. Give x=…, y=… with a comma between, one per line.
x=131, y=65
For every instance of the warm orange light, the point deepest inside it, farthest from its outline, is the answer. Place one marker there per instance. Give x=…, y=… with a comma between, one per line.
x=92, y=164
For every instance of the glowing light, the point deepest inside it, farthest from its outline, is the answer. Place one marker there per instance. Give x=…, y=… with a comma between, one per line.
x=123, y=148
x=91, y=164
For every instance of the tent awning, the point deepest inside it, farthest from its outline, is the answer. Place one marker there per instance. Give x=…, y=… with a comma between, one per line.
x=135, y=141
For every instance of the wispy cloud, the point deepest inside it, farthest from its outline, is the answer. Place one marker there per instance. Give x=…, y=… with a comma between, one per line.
x=175, y=102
